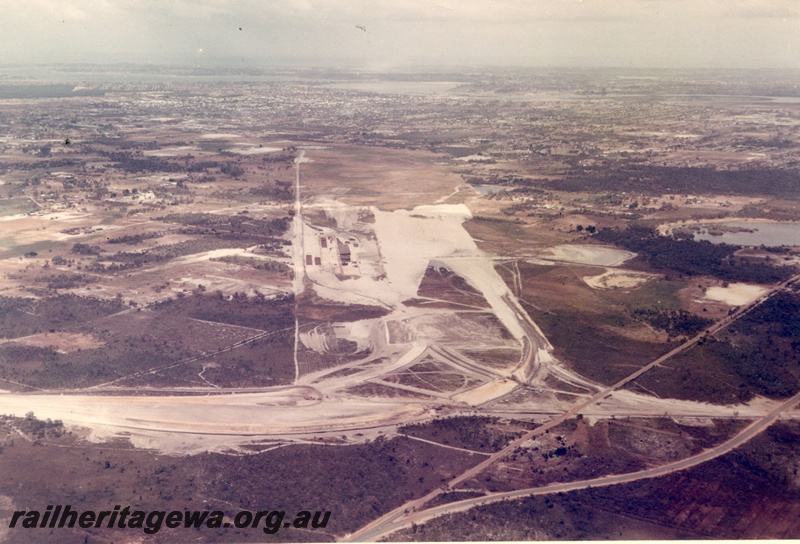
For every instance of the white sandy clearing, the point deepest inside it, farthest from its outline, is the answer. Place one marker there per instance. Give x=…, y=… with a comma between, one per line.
x=475, y=158
x=394, y=360
x=171, y=151
x=219, y=136
x=253, y=150
x=736, y=294
x=486, y=392
x=636, y=404
x=60, y=215
x=480, y=274
x=610, y=279
x=586, y=254
x=214, y=254
x=364, y=332
x=444, y=327
x=410, y=240
x=692, y=421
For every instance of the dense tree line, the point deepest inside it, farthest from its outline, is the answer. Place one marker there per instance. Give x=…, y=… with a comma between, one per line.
x=278, y=191
x=128, y=163
x=645, y=178
x=780, y=315
x=257, y=312
x=760, y=355
x=64, y=281
x=25, y=316
x=233, y=170
x=258, y=264
x=231, y=223
x=761, y=369
x=214, y=232
x=357, y=483
x=168, y=252
x=675, y=322
x=134, y=239
x=48, y=165
x=202, y=166
x=471, y=432
x=119, y=356
x=86, y=249
x=774, y=143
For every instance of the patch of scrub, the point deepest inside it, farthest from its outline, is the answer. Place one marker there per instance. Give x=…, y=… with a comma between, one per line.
x=617, y=279
x=6, y=510
x=735, y=294
x=585, y=254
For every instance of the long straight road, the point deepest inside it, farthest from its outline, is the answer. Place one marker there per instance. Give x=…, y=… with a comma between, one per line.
x=298, y=254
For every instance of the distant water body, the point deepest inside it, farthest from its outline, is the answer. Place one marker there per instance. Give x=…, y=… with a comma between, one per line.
x=768, y=234
x=122, y=74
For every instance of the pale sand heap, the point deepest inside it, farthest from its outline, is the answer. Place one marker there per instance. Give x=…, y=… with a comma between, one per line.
x=219, y=136
x=586, y=254
x=736, y=294
x=623, y=279
x=253, y=150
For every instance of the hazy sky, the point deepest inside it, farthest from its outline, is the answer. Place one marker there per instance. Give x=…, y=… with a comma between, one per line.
x=383, y=34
